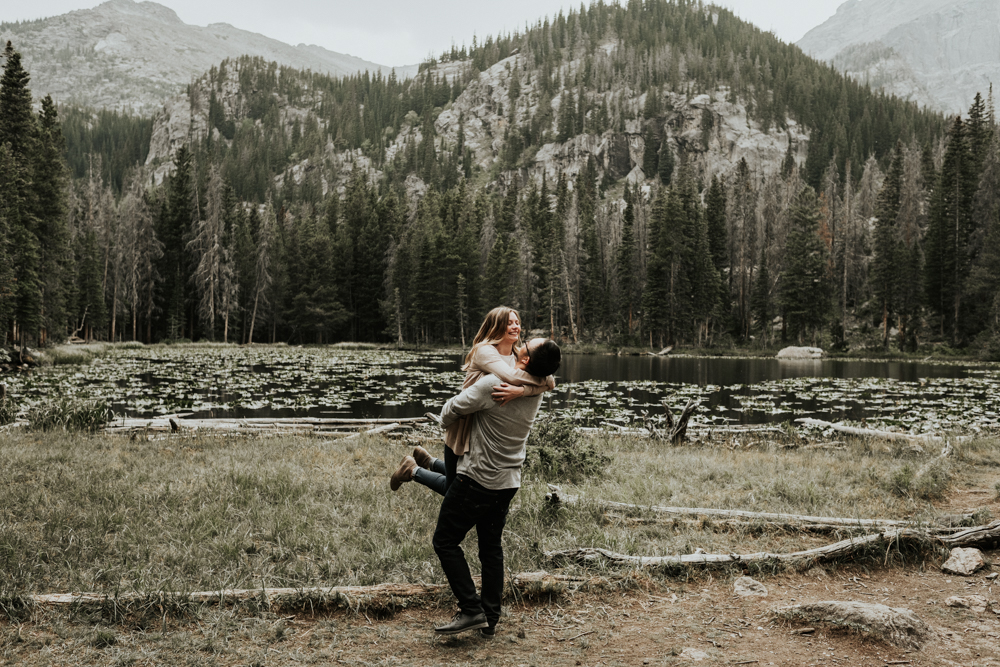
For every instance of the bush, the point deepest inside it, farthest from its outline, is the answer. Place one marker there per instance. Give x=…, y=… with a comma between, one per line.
x=556, y=451
x=70, y=415
x=8, y=411
x=929, y=483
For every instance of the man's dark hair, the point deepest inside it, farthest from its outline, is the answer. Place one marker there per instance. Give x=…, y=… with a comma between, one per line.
x=544, y=359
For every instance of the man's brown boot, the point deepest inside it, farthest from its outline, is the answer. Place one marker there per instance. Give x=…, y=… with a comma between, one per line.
x=403, y=474
x=422, y=457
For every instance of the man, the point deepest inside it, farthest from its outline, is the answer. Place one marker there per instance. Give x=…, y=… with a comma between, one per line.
x=488, y=477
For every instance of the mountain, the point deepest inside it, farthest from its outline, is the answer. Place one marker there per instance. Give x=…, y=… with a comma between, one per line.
x=939, y=53
x=134, y=55
x=632, y=174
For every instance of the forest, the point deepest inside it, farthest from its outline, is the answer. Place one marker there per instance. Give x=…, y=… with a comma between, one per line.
x=310, y=209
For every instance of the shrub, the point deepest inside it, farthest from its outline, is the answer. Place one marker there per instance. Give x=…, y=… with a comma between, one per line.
x=70, y=415
x=929, y=483
x=557, y=451
x=8, y=410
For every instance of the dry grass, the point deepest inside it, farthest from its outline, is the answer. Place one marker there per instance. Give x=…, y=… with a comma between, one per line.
x=103, y=513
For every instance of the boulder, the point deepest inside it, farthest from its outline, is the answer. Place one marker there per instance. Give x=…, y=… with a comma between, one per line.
x=898, y=626
x=801, y=353
x=964, y=562
x=976, y=603
x=747, y=587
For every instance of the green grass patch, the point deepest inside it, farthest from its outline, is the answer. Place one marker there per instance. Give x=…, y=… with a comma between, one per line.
x=70, y=415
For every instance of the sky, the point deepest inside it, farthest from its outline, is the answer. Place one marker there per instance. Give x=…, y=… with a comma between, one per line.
x=404, y=32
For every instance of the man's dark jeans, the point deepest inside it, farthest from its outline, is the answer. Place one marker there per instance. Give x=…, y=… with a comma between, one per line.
x=469, y=504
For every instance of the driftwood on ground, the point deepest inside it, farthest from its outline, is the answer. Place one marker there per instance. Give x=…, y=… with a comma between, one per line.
x=979, y=535
x=886, y=435
x=555, y=495
x=250, y=425
x=355, y=597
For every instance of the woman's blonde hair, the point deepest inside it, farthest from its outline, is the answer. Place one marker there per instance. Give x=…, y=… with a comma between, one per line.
x=492, y=331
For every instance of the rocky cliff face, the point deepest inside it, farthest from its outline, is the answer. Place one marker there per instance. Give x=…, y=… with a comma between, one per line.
x=619, y=154
x=480, y=111
x=937, y=52
x=133, y=55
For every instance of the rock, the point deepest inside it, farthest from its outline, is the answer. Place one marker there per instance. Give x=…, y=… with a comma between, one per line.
x=976, y=603
x=801, y=353
x=964, y=562
x=747, y=587
x=899, y=626
x=693, y=654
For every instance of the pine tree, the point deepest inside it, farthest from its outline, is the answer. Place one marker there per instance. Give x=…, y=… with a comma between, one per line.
x=715, y=218
x=804, y=282
x=887, y=262
x=949, y=230
x=650, y=151
x=17, y=122
x=625, y=266
x=9, y=215
x=18, y=131
x=174, y=230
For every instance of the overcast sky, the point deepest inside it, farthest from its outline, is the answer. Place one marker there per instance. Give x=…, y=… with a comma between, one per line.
x=404, y=32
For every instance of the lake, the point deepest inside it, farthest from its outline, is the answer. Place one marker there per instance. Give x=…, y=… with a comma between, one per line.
x=262, y=381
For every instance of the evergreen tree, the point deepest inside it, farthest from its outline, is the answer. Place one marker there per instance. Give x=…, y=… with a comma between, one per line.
x=804, y=282
x=650, y=152
x=887, y=262
x=665, y=162
x=626, y=264
x=17, y=122
x=949, y=232
x=174, y=230
x=50, y=187
x=715, y=218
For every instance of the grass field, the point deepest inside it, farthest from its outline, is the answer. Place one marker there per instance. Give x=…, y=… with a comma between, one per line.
x=104, y=514
x=86, y=512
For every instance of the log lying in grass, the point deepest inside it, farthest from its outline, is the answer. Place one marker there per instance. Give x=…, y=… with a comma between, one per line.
x=758, y=526
x=301, y=425
x=872, y=433
x=973, y=536
x=385, y=428
x=555, y=495
x=381, y=596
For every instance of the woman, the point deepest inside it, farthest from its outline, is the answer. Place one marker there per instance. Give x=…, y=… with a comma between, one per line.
x=494, y=350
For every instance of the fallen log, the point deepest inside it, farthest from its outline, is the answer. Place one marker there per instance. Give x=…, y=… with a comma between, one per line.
x=556, y=496
x=319, y=425
x=745, y=525
x=380, y=429
x=868, y=432
x=383, y=596
x=980, y=535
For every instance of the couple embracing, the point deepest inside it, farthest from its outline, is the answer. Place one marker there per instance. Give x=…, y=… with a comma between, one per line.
x=486, y=430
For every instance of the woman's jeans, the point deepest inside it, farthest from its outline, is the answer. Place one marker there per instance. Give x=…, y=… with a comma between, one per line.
x=441, y=475
x=466, y=504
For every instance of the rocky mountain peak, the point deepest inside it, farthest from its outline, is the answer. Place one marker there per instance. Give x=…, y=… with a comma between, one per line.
x=134, y=55
x=939, y=53
x=150, y=10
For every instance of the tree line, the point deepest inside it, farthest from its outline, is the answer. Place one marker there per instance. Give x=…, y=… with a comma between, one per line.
x=887, y=229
